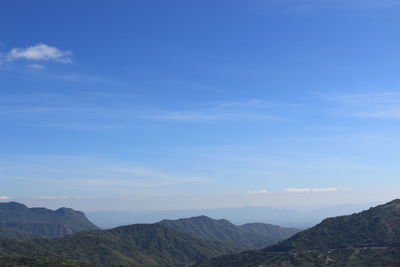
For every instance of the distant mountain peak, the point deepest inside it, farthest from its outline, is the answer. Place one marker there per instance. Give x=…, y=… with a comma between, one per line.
x=200, y=217
x=12, y=205
x=68, y=210
x=41, y=221
x=206, y=219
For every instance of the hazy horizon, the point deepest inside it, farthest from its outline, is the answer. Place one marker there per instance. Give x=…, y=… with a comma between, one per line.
x=298, y=216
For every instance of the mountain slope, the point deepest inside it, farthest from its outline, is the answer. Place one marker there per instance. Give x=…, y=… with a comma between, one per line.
x=248, y=236
x=375, y=227
x=150, y=245
x=369, y=238
x=41, y=221
x=16, y=234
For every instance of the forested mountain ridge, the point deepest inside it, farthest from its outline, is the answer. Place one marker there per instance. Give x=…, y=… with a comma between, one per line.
x=19, y=221
x=368, y=238
x=42, y=262
x=167, y=243
x=375, y=227
x=247, y=236
x=152, y=245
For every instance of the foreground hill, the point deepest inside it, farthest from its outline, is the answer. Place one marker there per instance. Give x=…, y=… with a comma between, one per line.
x=150, y=245
x=376, y=227
x=236, y=238
x=369, y=238
x=19, y=221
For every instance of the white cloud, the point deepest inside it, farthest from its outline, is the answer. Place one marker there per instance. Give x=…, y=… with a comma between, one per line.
x=4, y=197
x=306, y=190
x=40, y=52
x=37, y=66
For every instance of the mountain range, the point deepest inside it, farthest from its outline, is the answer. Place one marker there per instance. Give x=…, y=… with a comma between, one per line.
x=368, y=238
x=167, y=243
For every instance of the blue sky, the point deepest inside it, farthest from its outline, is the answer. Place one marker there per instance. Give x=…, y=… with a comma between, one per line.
x=196, y=104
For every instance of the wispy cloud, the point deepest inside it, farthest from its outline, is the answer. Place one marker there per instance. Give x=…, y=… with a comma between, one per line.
x=114, y=110
x=310, y=7
x=40, y=52
x=27, y=110
x=387, y=113
x=63, y=197
x=190, y=116
x=85, y=126
x=307, y=190
x=37, y=66
x=185, y=116
x=90, y=175
x=253, y=109
x=54, y=197
x=369, y=105
x=263, y=191
x=4, y=198
x=161, y=177
x=367, y=98
x=86, y=79
x=47, y=109
x=140, y=171
x=246, y=103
